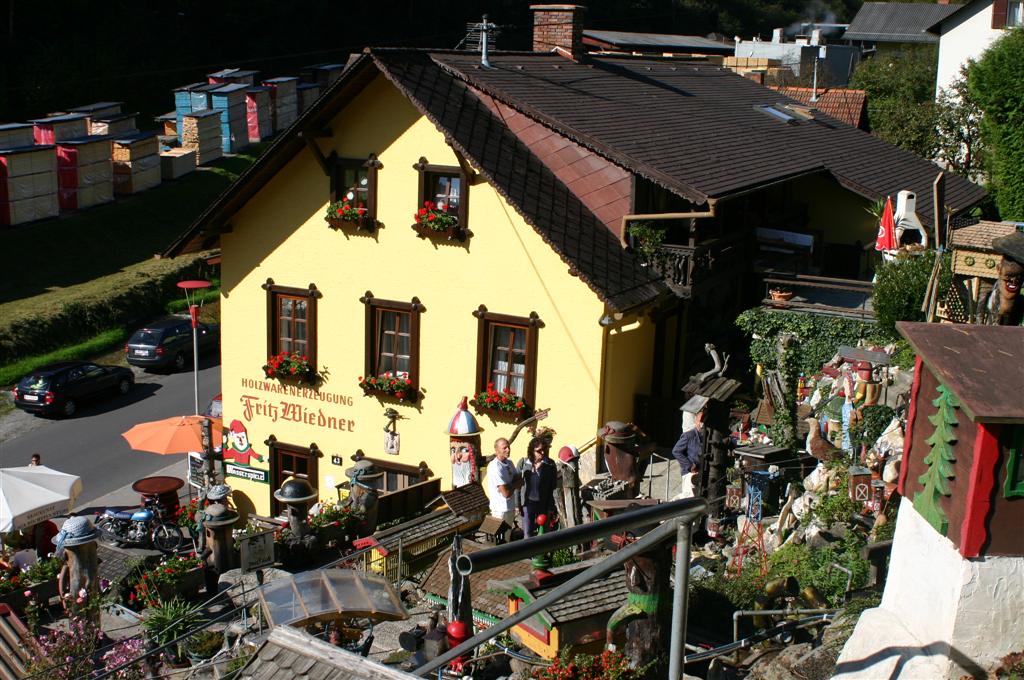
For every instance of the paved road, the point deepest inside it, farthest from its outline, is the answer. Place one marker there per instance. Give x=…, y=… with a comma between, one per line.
x=90, y=444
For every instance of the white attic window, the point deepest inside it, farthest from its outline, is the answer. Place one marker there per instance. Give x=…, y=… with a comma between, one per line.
x=777, y=112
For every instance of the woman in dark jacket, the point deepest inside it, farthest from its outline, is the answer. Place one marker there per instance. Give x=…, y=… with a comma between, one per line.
x=540, y=477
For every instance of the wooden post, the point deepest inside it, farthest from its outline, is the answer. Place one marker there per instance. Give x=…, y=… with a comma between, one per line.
x=83, y=574
x=939, y=208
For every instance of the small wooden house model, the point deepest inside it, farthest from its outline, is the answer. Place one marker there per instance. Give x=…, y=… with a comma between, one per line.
x=975, y=267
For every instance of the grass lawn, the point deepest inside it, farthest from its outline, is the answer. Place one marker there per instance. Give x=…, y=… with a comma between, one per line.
x=81, y=247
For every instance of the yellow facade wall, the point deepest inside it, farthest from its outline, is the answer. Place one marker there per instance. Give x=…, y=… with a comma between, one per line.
x=281, y=234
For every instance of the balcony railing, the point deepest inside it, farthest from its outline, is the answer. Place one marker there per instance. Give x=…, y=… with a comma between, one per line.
x=684, y=267
x=820, y=294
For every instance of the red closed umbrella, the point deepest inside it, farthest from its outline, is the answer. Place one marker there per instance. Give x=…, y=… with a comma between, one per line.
x=886, y=239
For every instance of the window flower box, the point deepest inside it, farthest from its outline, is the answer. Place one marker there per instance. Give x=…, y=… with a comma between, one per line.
x=434, y=221
x=291, y=366
x=344, y=214
x=175, y=577
x=39, y=581
x=500, y=403
x=394, y=385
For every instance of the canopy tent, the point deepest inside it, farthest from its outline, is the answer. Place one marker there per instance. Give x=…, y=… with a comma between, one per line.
x=35, y=493
x=329, y=594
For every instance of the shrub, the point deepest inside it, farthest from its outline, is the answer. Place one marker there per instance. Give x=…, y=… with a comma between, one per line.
x=875, y=419
x=900, y=287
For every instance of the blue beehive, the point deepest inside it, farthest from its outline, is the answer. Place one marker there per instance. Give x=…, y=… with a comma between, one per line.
x=229, y=100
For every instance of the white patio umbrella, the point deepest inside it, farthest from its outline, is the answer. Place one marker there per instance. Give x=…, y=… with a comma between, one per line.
x=34, y=493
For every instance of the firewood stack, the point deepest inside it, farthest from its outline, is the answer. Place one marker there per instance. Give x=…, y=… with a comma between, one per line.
x=136, y=163
x=229, y=100
x=200, y=131
x=84, y=172
x=28, y=177
x=259, y=113
x=285, y=99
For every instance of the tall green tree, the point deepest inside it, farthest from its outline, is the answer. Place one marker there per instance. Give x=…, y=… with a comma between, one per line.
x=994, y=81
x=900, y=87
x=959, y=142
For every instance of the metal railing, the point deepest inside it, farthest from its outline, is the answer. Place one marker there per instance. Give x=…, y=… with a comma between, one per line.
x=677, y=517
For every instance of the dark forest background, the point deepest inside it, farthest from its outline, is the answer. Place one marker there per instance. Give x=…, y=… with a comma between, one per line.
x=66, y=53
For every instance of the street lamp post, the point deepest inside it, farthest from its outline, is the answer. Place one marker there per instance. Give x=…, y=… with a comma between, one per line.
x=190, y=288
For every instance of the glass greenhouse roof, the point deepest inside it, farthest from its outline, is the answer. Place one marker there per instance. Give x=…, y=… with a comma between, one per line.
x=327, y=594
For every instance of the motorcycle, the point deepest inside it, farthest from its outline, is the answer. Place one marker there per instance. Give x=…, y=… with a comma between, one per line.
x=139, y=527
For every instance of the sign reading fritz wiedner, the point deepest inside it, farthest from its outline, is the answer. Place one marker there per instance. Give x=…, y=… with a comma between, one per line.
x=245, y=472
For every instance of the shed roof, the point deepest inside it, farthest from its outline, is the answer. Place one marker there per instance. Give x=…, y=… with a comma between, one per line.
x=982, y=365
x=484, y=600
x=466, y=500
x=900, y=22
x=979, y=236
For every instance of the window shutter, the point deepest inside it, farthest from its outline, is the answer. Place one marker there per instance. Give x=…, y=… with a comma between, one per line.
x=999, y=10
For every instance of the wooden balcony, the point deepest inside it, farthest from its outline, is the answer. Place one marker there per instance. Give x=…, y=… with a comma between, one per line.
x=848, y=298
x=687, y=269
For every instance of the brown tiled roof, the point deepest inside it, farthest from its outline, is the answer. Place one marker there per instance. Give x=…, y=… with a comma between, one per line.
x=557, y=214
x=979, y=236
x=849, y=106
x=294, y=654
x=467, y=500
x=601, y=596
x=487, y=601
x=696, y=128
x=432, y=525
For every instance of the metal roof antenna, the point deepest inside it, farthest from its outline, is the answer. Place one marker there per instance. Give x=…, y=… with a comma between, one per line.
x=485, y=31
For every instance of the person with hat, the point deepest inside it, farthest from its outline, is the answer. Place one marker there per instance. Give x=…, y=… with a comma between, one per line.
x=540, y=477
x=1005, y=305
x=464, y=440
x=503, y=481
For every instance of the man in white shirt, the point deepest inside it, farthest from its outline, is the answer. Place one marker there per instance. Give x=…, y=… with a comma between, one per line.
x=502, y=482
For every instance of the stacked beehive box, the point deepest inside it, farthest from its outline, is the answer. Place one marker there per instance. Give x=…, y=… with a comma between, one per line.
x=284, y=96
x=118, y=124
x=201, y=96
x=28, y=182
x=175, y=163
x=201, y=132
x=168, y=124
x=84, y=172
x=53, y=129
x=13, y=135
x=233, y=75
x=136, y=163
x=322, y=74
x=94, y=113
x=229, y=100
x=183, y=104
x=308, y=93
x=258, y=114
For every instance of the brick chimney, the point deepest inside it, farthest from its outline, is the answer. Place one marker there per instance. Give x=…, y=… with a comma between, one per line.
x=558, y=26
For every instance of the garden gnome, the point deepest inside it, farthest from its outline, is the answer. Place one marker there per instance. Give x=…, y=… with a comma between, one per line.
x=464, y=434
x=76, y=540
x=1005, y=305
x=364, y=490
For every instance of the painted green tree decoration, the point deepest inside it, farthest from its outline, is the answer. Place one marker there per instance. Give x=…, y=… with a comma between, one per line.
x=939, y=461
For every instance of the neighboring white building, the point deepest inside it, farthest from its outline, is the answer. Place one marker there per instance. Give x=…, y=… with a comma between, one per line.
x=969, y=31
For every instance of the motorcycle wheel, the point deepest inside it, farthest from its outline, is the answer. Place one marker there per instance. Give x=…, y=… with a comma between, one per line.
x=108, y=533
x=167, y=538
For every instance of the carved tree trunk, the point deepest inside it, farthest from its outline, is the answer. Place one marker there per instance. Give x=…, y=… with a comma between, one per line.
x=648, y=636
x=83, y=572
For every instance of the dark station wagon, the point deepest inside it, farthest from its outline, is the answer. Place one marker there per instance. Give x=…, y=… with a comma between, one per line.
x=168, y=343
x=59, y=388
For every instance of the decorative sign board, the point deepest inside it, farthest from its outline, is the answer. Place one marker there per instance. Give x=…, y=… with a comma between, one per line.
x=257, y=551
x=250, y=473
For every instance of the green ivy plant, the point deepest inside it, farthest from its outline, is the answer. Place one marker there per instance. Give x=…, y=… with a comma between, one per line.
x=647, y=239
x=869, y=428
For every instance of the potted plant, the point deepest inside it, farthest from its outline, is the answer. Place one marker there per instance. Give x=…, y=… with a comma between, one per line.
x=389, y=383
x=185, y=516
x=169, y=579
x=435, y=220
x=646, y=240
x=344, y=213
x=38, y=581
x=334, y=524
x=169, y=620
x=204, y=645
x=499, y=402
x=780, y=293
x=290, y=366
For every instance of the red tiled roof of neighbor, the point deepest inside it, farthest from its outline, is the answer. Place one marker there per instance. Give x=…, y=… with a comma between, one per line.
x=849, y=106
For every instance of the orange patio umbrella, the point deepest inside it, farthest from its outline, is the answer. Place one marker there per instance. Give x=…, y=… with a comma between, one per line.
x=180, y=434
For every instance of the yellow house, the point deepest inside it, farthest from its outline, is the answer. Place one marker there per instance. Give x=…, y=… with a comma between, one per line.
x=534, y=165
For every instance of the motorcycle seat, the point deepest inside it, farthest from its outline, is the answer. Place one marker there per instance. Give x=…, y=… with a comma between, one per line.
x=119, y=514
